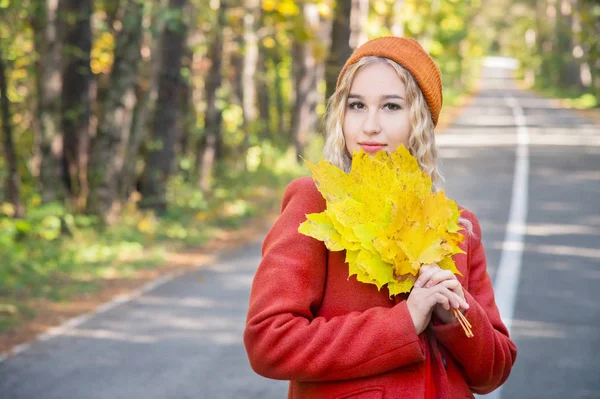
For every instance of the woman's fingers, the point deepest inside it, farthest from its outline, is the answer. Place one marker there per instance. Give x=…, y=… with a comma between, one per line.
x=451, y=299
x=431, y=275
x=423, y=301
x=442, y=300
x=425, y=274
x=439, y=276
x=455, y=286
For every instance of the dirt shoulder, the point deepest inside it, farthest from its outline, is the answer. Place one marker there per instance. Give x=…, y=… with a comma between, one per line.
x=591, y=114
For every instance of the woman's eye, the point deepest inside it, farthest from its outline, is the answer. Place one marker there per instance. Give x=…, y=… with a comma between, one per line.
x=356, y=105
x=392, y=106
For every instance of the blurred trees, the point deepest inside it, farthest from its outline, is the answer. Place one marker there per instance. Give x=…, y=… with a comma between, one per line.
x=104, y=102
x=116, y=104
x=340, y=48
x=556, y=41
x=160, y=159
x=76, y=94
x=46, y=25
x=13, y=182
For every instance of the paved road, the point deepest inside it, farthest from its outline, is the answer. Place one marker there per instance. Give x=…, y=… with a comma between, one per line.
x=183, y=339
x=556, y=320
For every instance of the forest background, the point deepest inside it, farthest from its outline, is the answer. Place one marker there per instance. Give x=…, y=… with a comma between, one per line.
x=134, y=130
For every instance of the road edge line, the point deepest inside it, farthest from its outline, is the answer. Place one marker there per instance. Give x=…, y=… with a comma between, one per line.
x=509, y=268
x=75, y=322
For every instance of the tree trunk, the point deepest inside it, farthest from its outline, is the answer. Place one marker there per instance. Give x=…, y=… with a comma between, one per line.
x=213, y=117
x=187, y=122
x=13, y=181
x=594, y=58
x=340, y=45
x=161, y=154
x=236, y=64
x=576, y=62
x=551, y=45
x=305, y=85
x=568, y=66
x=251, y=20
x=359, y=20
x=588, y=34
x=279, y=96
x=76, y=95
x=118, y=100
x=263, y=96
x=146, y=90
x=322, y=44
x=542, y=42
x=395, y=22
x=49, y=84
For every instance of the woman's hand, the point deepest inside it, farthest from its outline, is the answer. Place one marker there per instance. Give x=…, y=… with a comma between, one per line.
x=422, y=301
x=433, y=276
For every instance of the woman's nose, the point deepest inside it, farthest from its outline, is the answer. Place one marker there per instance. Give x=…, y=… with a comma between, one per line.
x=371, y=123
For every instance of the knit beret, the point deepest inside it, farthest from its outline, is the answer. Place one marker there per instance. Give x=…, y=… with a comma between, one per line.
x=408, y=53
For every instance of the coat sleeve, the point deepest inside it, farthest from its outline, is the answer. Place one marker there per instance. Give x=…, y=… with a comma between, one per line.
x=488, y=357
x=284, y=338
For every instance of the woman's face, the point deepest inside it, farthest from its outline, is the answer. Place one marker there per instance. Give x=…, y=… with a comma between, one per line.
x=377, y=114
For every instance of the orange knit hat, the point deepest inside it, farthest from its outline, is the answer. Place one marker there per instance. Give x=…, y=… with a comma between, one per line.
x=408, y=53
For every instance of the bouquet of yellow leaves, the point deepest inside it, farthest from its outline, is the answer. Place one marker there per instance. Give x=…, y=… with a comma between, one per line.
x=384, y=214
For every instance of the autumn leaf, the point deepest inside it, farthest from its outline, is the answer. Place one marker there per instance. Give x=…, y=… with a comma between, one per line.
x=320, y=227
x=386, y=217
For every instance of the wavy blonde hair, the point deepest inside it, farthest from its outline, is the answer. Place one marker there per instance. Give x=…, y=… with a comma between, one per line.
x=421, y=142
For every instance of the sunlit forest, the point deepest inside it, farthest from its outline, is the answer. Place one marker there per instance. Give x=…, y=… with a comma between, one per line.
x=134, y=128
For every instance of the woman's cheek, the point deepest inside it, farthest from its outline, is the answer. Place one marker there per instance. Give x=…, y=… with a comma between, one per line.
x=350, y=126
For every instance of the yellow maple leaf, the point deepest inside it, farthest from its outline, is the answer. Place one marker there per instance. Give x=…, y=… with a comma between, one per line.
x=320, y=227
x=386, y=217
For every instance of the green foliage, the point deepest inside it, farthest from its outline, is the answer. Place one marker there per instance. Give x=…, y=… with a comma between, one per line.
x=556, y=43
x=569, y=97
x=13, y=313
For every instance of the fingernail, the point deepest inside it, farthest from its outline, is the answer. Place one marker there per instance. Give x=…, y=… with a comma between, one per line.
x=418, y=284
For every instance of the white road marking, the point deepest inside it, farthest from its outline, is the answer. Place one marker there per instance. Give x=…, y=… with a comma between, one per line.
x=509, y=269
x=566, y=138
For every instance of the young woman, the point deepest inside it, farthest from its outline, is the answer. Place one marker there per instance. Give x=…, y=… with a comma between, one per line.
x=335, y=337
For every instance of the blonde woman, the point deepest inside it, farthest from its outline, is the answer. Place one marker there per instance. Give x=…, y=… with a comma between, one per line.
x=334, y=337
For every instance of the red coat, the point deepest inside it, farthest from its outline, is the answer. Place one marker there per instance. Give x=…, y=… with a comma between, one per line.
x=335, y=337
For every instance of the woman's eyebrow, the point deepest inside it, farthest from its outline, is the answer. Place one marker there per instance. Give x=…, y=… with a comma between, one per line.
x=385, y=97
x=390, y=96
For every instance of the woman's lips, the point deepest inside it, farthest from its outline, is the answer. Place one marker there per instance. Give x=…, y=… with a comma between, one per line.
x=372, y=147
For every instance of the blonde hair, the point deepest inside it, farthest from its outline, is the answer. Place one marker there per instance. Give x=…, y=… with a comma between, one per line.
x=421, y=142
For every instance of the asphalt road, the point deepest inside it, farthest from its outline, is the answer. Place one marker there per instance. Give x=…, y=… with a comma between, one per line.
x=183, y=338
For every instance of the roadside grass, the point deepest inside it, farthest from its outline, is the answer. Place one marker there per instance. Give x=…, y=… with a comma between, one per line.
x=569, y=98
x=585, y=104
